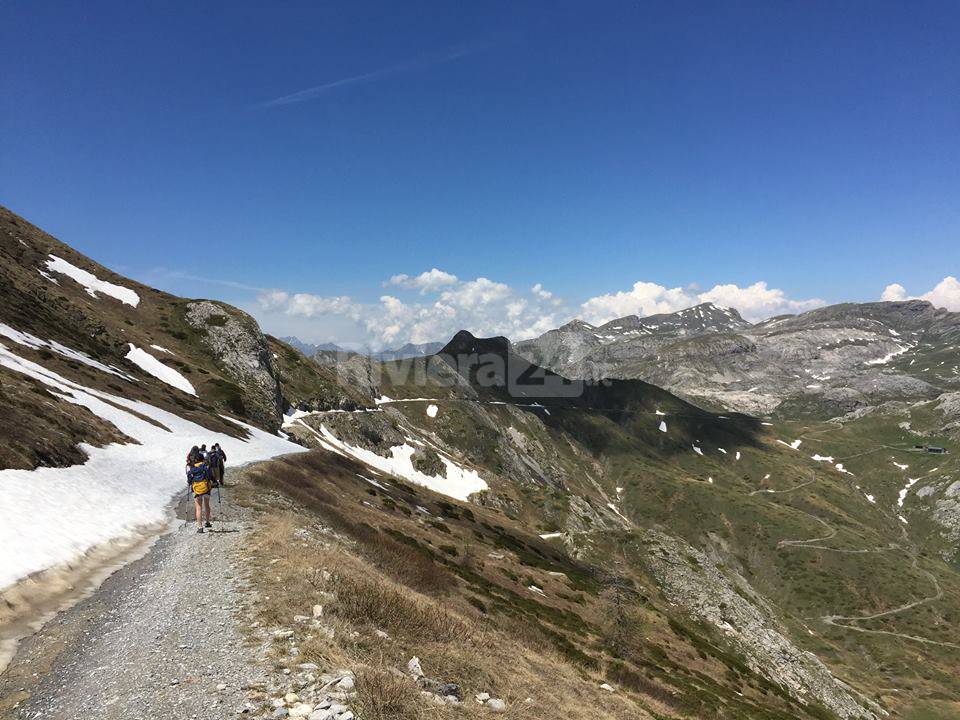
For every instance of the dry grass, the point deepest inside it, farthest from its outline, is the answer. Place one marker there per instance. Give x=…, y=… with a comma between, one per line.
x=383, y=695
x=364, y=600
x=292, y=573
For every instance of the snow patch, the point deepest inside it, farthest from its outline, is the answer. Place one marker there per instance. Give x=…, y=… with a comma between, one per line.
x=459, y=483
x=91, y=283
x=902, y=495
x=663, y=426
x=149, y=364
x=432, y=411
x=32, y=341
x=901, y=349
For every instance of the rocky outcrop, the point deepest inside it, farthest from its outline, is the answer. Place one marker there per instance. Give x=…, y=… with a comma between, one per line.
x=241, y=351
x=693, y=581
x=949, y=407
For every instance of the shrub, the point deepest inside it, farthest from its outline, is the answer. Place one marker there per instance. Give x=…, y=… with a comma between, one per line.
x=383, y=696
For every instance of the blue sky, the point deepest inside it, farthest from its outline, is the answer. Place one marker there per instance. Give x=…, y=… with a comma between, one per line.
x=318, y=150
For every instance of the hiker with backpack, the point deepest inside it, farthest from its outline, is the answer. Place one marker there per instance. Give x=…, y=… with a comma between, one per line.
x=216, y=458
x=200, y=482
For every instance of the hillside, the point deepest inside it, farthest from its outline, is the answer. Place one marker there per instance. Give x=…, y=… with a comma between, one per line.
x=91, y=364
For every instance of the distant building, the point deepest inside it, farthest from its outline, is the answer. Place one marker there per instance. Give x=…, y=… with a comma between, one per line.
x=936, y=450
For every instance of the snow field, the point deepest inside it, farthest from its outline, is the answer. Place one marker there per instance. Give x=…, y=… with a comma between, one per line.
x=50, y=516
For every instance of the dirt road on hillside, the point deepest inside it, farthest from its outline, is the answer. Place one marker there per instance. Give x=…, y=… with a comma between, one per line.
x=159, y=638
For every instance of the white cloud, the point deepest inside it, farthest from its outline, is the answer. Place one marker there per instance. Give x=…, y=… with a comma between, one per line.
x=645, y=298
x=305, y=304
x=757, y=301
x=429, y=281
x=540, y=292
x=945, y=294
x=483, y=306
x=754, y=302
x=894, y=292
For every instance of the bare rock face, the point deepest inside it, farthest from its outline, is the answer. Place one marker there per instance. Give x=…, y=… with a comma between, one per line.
x=241, y=350
x=949, y=405
x=427, y=461
x=692, y=580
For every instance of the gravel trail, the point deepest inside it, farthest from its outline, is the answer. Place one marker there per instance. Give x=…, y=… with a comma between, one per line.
x=159, y=638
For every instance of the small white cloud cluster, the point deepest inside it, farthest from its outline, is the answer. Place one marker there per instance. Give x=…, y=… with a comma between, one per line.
x=945, y=294
x=755, y=302
x=446, y=304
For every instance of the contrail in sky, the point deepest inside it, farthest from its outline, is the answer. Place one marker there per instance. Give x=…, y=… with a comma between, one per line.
x=312, y=93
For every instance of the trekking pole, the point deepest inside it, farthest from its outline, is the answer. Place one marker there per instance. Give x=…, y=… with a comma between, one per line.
x=220, y=505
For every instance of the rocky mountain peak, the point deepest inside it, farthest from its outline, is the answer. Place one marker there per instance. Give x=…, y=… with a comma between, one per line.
x=466, y=343
x=576, y=325
x=702, y=318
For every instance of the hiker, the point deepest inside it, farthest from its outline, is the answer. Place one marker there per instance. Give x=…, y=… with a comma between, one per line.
x=200, y=481
x=203, y=451
x=216, y=458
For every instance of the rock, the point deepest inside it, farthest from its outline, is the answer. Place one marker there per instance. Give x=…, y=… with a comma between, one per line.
x=308, y=667
x=496, y=705
x=300, y=618
x=608, y=688
x=291, y=698
x=318, y=611
x=348, y=715
x=451, y=690
x=346, y=684
x=482, y=697
x=301, y=710
x=413, y=667
x=221, y=687
x=427, y=461
x=382, y=635
x=429, y=684
x=278, y=713
x=242, y=352
x=322, y=714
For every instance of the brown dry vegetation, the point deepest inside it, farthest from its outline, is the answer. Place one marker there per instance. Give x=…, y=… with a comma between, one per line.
x=450, y=585
x=453, y=646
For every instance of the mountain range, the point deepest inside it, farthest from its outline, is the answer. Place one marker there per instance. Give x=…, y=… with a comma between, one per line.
x=823, y=363
x=408, y=350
